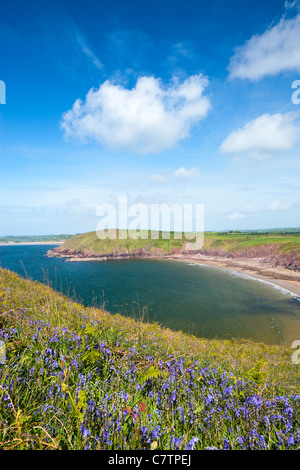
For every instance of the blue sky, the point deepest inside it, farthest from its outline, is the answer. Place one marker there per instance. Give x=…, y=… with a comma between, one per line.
x=162, y=101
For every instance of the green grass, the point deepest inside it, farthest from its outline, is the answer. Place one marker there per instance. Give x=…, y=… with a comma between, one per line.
x=81, y=378
x=239, y=241
x=88, y=244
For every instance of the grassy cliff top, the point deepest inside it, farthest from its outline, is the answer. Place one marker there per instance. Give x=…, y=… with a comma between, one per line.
x=234, y=241
x=123, y=241
x=229, y=242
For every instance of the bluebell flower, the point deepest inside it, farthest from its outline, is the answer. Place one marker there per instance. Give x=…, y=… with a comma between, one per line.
x=226, y=444
x=84, y=430
x=191, y=444
x=209, y=399
x=155, y=433
x=254, y=400
x=227, y=390
x=173, y=396
x=181, y=411
x=176, y=442
x=125, y=396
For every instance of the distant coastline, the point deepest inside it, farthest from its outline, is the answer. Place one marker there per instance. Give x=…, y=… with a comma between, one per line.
x=30, y=243
x=268, y=257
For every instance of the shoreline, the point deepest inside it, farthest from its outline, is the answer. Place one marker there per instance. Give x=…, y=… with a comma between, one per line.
x=279, y=277
x=252, y=267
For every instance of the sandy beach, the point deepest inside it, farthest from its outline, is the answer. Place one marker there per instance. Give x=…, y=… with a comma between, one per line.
x=254, y=267
x=282, y=277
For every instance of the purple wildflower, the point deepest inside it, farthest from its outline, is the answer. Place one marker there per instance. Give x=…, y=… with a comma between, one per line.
x=191, y=444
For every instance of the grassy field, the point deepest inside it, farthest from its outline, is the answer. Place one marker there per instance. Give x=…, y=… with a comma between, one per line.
x=88, y=243
x=81, y=378
x=230, y=242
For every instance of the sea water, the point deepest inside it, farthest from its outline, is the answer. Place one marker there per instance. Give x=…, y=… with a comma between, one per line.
x=205, y=301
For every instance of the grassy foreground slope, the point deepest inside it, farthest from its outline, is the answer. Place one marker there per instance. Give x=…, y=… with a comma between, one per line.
x=81, y=378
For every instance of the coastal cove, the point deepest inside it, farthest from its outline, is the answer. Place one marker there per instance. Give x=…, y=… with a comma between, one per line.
x=190, y=296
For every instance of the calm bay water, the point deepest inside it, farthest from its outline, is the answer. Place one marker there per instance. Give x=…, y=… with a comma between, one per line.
x=205, y=301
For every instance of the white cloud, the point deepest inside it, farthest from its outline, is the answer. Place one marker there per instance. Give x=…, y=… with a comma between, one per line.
x=250, y=210
x=182, y=173
x=291, y=4
x=158, y=177
x=184, y=48
x=148, y=118
x=263, y=136
x=278, y=206
x=275, y=51
x=186, y=173
x=88, y=51
x=67, y=43
x=235, y=216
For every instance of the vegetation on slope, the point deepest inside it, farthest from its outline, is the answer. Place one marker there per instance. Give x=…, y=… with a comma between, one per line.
x=279, y=249
x=81, y=378
x=88, y=244
x=235, y=241
x=229, y=242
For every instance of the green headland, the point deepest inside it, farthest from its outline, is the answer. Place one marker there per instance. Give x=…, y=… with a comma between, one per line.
x=282, y=248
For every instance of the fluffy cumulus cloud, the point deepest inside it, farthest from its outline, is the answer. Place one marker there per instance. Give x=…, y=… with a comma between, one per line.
x=263, y=136
x=274, y=51
x=148, y=118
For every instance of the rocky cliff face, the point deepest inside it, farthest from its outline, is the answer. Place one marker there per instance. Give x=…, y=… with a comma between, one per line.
x=267, y=254
x=117, y=253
